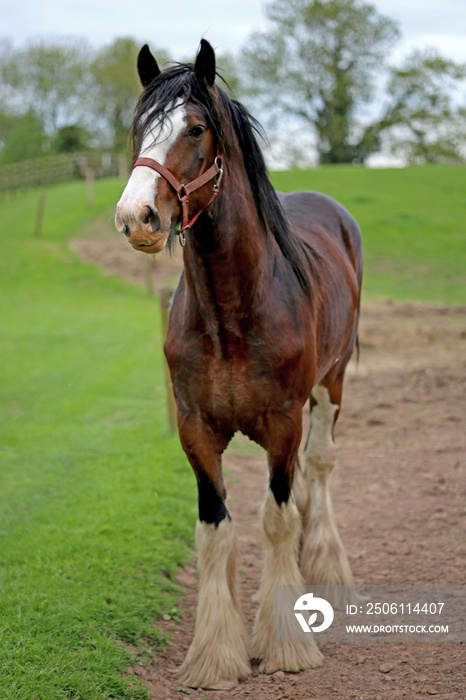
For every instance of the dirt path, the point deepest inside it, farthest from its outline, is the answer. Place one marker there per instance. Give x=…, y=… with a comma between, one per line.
x=398, y=492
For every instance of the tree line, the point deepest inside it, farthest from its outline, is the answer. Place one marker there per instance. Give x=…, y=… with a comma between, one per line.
x=65, y=96
x=321, y=69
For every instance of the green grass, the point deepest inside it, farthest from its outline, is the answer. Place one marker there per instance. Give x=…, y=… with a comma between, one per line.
x=413, y=225
x=97, y=503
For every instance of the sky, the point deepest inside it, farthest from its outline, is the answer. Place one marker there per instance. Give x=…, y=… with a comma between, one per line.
x=179, y=25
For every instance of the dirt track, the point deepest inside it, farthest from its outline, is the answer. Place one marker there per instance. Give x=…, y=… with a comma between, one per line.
x=398, y=492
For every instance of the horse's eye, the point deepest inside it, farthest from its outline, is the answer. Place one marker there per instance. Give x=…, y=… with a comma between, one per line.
x=196, y=132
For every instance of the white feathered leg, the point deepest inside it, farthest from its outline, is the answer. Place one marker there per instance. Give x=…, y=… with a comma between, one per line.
x=323, y=559
x=218, y=656
x=282, y=528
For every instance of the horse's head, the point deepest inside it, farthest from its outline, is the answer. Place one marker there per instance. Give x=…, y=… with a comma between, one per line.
x=177, y=168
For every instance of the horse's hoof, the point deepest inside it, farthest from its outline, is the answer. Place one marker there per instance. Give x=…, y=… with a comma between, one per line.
x=268, y=668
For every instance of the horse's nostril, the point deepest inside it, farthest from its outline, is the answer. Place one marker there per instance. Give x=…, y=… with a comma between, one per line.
x=156, y=223
x=127, y=230
x=151, y=217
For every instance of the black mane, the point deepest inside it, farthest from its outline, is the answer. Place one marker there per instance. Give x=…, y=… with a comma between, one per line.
x=180, y=81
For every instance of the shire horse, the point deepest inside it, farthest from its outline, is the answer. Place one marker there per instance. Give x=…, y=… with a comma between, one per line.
x=264, y=319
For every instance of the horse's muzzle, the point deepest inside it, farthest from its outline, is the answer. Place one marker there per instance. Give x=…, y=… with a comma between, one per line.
x=154, y=243
x=142, y=228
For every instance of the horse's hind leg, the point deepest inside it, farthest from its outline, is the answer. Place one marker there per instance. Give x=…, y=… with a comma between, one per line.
x=218, y=656
x=323, y=558
x=281, y=524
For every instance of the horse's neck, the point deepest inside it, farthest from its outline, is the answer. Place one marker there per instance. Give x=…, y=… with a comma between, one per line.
x=226, y=266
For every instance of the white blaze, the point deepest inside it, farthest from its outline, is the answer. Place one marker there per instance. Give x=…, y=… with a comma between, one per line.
x=142, y=185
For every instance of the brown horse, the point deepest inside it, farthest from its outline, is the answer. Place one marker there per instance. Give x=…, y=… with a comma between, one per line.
x=264, y=318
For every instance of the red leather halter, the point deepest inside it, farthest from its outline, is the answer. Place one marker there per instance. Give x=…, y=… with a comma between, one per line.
x=183, y=191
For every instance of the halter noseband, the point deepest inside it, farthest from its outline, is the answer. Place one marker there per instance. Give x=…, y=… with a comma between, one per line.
x=183, y=191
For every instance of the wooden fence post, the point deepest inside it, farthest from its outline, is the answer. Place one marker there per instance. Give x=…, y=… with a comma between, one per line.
x=90, y=188
x=150, y=266
x=122, y=167
x=165, y=297
x=39, y=216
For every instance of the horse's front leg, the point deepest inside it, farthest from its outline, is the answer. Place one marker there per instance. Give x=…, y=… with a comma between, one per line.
x=281, y=524
x=218, y=655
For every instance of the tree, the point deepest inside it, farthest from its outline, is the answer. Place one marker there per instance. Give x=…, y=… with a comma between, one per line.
x=422, y=121
x=21, y=138
x=117, y=87
x=49, y=78
x=320, y=61
x=70, y=139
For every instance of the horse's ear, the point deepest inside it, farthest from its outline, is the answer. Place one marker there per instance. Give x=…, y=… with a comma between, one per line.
x=204, y=65
x=147, y=66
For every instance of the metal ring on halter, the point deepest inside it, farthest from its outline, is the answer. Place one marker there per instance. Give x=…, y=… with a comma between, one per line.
x=218, y=179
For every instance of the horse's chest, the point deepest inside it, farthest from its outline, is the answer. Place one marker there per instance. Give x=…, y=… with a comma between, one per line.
x=234, y=386
x=230, y=390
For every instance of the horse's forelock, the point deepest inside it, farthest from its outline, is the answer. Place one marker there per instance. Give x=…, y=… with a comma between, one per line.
x=162, y=95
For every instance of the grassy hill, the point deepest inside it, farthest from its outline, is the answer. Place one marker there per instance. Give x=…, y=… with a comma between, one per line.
x=413, y=225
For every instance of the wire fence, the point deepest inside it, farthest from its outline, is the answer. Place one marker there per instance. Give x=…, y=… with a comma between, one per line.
x=51, y=170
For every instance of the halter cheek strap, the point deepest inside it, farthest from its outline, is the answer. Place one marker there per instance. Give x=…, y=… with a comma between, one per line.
x=183, y=191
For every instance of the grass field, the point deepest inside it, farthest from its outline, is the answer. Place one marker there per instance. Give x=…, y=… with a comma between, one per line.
x=413, y=225
x=97, y=502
